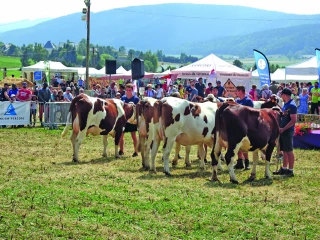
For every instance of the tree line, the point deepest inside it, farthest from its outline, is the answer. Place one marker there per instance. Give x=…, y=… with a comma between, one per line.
x=74, y=55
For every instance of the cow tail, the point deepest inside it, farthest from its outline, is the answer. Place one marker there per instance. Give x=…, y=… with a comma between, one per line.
x=66, y=128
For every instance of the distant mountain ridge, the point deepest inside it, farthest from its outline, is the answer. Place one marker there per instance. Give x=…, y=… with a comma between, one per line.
x=167, y=27
x=4, y=27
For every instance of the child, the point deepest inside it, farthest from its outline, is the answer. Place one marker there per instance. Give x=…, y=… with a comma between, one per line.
x=33, y=109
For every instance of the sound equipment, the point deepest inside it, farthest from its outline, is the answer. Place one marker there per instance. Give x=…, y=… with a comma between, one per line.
x=137, y=69
x=111, y=67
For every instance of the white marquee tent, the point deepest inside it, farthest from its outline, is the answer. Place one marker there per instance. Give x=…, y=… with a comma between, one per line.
x=213, y=68
x=54, y=67
x=305, y=71
x=82, y=72
x=120, y=70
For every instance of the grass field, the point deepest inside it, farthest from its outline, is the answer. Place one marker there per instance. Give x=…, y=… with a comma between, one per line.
x=45, y=196
x=10, y=63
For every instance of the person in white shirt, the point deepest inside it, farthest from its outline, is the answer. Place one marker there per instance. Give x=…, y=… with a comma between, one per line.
x=159, y=91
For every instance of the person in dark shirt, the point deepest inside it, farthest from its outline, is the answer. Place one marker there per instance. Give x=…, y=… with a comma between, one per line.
x=132, y=128
x=200, y=87
x=245, y=101
x=288, y=120
x=221, y=90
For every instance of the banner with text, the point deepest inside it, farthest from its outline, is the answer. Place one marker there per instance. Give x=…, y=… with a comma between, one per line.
x=262, y=67
x=16, y=113
x=318, y=62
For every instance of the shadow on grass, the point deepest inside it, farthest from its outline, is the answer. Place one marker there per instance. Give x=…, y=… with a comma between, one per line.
x=100, y=160
x=229, y=185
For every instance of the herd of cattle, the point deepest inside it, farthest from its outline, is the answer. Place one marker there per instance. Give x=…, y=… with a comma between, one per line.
x=177, y=121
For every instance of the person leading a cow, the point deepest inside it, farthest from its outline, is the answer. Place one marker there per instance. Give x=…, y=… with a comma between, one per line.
x=246, y=101
x=288, y=120
x=132, y=128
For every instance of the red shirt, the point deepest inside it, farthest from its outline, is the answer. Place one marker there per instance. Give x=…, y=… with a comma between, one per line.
x=208, y=91
x=165, y=86
x=24, y=94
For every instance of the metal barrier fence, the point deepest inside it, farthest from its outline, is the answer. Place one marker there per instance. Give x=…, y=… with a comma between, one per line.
x=313, y=118
x=55, y=114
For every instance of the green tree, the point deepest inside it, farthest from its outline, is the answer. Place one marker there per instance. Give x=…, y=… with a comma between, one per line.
x=40, y=53
x=131, y=54
x=122, y=50
x=148, y=66
x=26, y=55
x=238, y=63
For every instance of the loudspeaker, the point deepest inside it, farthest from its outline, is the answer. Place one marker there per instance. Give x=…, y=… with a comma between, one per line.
x=111, y=67
x=137, y=68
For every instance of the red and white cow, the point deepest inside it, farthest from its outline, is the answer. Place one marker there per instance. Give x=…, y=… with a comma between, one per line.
x=183, y=122
x=243, y=128
x=148, y=127
x=97, y=117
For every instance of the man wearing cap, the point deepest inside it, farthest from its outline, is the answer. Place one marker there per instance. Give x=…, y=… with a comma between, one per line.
x=4, y=93
x=221, y=90
x=288, y=120
x=24, y=94
x=315, y=98
x=67, y=94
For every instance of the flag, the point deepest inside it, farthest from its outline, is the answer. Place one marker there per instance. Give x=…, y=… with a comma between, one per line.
x=318, y=61
x=262, y=67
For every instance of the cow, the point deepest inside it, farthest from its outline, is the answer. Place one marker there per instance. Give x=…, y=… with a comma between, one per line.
x=243, y=128
x=148, y=126
x=185, y=123
x=97, y=116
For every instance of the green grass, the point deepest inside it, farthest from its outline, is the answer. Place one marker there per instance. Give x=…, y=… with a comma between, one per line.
x=10, y=62
x=44, y=195
x=16, y=73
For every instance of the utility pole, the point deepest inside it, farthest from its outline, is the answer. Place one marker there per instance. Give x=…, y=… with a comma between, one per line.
x=88, y=3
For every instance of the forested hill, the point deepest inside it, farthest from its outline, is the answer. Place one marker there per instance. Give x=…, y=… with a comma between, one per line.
x=296, y=40
x=170, y=26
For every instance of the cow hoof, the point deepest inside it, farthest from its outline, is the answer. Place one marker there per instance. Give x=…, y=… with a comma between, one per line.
x=214, y=179
x=251, y=179
x=188, y=165
x=146, y=168
x=167, y=174
x=234, y=181
x=153, y=171
x=104, y=155
x=75, y=160
x=117, y=156
x=268, y=177
x=174, y=163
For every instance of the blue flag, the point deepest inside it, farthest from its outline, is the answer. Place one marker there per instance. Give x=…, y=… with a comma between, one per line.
x=262, y=67
x=318, y=61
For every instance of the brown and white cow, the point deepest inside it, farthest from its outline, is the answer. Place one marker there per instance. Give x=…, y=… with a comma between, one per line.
x=183, y=122
x=243, y=128
x=97, y=116
x=148, y=128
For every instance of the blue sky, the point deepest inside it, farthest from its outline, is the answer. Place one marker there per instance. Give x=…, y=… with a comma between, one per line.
x=35, y=9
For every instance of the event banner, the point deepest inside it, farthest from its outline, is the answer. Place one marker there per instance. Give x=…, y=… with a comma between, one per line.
x=16, y=113
x=262, y=67
x=318, y=61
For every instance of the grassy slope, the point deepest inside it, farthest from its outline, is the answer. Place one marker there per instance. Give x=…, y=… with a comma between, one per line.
x=43, y=194
x=10, y=62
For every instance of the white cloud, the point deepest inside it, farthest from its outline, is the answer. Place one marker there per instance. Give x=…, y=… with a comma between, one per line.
x=16, y=10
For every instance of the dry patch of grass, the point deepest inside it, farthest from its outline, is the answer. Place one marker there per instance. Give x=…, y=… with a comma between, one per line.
x=44, y=195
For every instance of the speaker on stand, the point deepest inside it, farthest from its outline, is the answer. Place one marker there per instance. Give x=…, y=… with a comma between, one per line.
x=111, y=68
x=137, y=71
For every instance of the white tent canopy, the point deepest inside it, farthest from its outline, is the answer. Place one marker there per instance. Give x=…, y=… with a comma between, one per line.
x=307, y=70
x=205, y=66
x=82, y=71
x=120, y=70
x=158, y=75
x=53, y=66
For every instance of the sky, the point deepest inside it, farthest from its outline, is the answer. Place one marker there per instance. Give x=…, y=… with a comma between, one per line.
x=17, y=10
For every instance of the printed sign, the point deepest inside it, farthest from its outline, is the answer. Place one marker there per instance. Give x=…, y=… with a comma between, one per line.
x=16, y=113
x=37, y=76
x=230, y=89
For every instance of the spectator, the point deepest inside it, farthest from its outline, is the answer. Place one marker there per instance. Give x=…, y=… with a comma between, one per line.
x=246, y=101
x=200, y=87
x=288, y=120
x=159, y=91
x=103, y=93
x=214, y=91
x=122, y=90
x=150, y=92
x=181, y=91
x=80, y=82
x=193, y=94
x=274, y=87
x=221, y=90
x=33, y=110
x=54, y=95
x=44, y=97
x=208, y=89
x=24, y=94
x=266, y=93
x=253, y=93
x=315, y=98
x=118, y=95
x=67, y=95
x=129, y=97
x=13, y=90
x=60, y=97
x=4, y=93
x=304, y=97
x=112, y=90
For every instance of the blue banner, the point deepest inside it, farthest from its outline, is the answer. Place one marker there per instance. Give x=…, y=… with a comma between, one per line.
x=262, y=67
x=318, y=61
x=37, y=76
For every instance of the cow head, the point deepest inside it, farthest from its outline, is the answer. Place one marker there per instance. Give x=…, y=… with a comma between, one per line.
x=272, y=102
x=210, y=98
x=130, y=112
